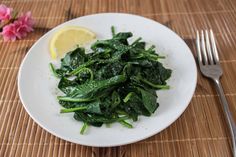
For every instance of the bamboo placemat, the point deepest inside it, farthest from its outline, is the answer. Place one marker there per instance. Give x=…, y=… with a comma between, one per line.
x=200, y=132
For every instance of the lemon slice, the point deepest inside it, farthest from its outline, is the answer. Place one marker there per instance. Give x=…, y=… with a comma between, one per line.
x=67, y=38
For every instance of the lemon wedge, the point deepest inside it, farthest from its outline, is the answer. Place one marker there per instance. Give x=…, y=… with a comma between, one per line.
x=67, y=38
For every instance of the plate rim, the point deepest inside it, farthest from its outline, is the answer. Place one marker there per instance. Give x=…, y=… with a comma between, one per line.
x=104, y=145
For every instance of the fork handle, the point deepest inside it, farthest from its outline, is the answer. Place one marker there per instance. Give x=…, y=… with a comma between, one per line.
x=228, y=115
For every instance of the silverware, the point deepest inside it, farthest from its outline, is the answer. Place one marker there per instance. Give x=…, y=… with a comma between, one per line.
x=208, y=60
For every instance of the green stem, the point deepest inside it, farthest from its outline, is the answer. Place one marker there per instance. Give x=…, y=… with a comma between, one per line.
x=136, y=41
x=85, y=125
x=126, y=124
x=113, y=31
x=154, y=85
x=53, y=70
x=127, y=97
x=148, y=55
x=151, y=48
x=77, y=70
x=122, y=118
x=65, y=98
x=15, y=13
x=67, y=110
x=154, y=56
x=115, y=99
x=120, y=112
x=87, y=69
x=161, y=57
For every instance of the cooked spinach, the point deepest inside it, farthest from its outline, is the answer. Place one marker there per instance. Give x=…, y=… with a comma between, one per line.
x=114, y=83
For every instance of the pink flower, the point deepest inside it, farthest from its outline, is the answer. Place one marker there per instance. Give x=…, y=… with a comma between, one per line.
x=19, y=29
x=9, y=32
x=27, y=21
x=5, y=12
x=24, y=25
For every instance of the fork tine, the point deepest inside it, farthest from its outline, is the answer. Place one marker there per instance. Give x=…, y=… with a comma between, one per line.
x=208, y=47
x=203, y=48
x=214, y=49
x=199, y=56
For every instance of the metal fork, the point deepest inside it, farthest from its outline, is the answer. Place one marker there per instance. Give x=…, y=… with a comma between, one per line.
x=208, y=60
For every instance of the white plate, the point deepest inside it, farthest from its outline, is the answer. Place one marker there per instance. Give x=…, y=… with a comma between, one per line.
x=36, y=84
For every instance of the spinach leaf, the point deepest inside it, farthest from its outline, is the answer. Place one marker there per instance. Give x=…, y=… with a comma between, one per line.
x=91, y=107
x=90, y=88
x=149, y=101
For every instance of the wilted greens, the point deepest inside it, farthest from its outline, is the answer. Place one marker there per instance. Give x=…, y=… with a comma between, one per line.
x=114, y=83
